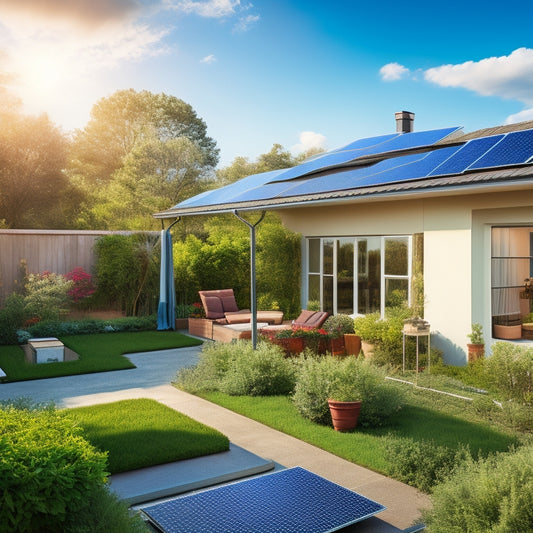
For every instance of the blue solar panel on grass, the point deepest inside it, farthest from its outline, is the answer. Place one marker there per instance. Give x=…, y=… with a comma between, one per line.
x=466, y=155
x=293, y=500
x=514, y=149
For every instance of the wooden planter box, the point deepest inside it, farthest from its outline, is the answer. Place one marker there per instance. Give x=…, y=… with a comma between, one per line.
x=201, y=327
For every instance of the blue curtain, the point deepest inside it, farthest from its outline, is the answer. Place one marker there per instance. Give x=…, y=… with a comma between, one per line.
x=166, y=313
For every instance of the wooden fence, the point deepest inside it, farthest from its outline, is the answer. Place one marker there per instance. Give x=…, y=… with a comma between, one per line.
x=58, y=251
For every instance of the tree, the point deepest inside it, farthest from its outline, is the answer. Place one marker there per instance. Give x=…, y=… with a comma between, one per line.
x=154, y=176
x=32, y=182
x=125, y=119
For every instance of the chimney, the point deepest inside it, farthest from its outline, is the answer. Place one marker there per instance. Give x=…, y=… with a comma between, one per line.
x=404, y=121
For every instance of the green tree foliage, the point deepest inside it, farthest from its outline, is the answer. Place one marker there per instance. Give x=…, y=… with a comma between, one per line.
x=34, y=191
x=139, y=153
x=127, y=272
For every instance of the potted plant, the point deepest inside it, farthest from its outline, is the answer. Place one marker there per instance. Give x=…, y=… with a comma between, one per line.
x=344, y=404
x=370, y=328
x=341, y=328
x=183, y=312
x=476, y=348
x=291, y=340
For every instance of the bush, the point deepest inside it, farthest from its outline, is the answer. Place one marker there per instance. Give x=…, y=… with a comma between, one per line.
x=12, y=316
x=421, y=464
x=339, y=324
x=493, y=495
x=319, y=377
x=237, y=369
x=46, y=470
x=261, y=372
x=47, y=295
x=510, y=371
x=54, y=328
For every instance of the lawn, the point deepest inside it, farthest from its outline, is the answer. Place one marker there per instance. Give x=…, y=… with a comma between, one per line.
x=100, y=352
x=445, y=422
x=141, y=433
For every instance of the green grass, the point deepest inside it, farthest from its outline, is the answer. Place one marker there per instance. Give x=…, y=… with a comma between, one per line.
x=417, y=420
x=100, y=352
x=141, y=433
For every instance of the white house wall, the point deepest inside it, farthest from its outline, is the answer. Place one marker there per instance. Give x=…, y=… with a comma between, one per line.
x=456, y=250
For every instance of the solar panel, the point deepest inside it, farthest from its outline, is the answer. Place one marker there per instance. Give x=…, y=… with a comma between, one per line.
x=514, y=149
x=466, y=155
x=367, y=142
x=294, y=500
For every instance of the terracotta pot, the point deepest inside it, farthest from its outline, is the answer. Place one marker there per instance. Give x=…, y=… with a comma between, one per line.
x=337, y=346
x=344, y=415
x=368, y=349
x=291, y=345
x=475, y=351
x=352, y=344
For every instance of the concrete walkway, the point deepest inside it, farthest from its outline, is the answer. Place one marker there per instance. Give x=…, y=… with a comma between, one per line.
x=257, y=443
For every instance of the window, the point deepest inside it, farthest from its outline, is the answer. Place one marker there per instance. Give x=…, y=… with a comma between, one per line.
x=511, y=264
x=359, y=274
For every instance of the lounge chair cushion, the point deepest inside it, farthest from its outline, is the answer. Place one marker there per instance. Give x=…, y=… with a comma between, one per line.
x=229, y=304
x=213, y=307
x=310, y=319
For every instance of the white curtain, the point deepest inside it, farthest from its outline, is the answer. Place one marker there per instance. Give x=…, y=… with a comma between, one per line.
x=509, y=268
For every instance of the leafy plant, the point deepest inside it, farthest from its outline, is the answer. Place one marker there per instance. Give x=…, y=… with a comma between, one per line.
x=46, y=469
x=369, y=327
x=339, y=324
x=47, y=295
x=82, y=285
x=313, y=305
x=12, y=316
x=476, y=336
x=493, y=495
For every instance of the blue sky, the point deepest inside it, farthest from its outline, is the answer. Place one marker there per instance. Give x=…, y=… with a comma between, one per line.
x=298, y=73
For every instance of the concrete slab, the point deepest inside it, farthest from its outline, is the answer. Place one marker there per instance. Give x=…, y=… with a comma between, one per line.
x=161, y=481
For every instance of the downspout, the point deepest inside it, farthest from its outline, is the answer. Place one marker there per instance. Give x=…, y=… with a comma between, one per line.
x=253, y=293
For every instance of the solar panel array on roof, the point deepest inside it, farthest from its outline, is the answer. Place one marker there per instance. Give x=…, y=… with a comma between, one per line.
x=346, y=168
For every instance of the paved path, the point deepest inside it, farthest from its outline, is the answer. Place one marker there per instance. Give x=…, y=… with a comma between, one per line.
x=151, y=380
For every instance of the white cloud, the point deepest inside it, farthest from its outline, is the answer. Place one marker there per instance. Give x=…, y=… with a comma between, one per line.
x=245, y=23
x=523, y=116
x=308, y=141
x=509, y=77
x=393, y=71
x=210, y=8
x=208, y=59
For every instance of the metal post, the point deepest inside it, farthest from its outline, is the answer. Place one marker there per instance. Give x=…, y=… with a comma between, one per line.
x=253, y=293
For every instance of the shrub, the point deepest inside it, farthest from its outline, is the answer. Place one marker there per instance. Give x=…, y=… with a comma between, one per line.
x=421, y=464
x=46, y=470
x=369, y=327
x=47, y=295
x=12, y=317
x=510, y=370
x=82, y=285
x=319, y=377
x=493, y=495
x=55, y=328
x=339, y=324
x=261, y=372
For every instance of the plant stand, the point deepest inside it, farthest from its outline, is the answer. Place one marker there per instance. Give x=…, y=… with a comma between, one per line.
x=408, y=332
x=344, y=415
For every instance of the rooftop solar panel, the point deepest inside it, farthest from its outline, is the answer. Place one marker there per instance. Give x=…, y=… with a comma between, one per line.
x=514, y=149
x=367, y=142
x=293, y=500
x=466, y=155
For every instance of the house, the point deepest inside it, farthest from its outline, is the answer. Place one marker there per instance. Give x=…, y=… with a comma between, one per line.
x=381, y=214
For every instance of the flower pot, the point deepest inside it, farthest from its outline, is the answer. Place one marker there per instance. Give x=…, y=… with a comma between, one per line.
x=368, y=349
x=337, y=346
x=352, y=344
x=344, y=415
x=291, y=345
x=475, y=351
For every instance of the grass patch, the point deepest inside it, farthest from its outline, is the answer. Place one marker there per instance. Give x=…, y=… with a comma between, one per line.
x=141, y=433
x=100, y=352
x=367, y=447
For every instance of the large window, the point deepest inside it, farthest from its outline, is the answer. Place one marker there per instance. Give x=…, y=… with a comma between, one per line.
x=511, y=264
x=359, y=274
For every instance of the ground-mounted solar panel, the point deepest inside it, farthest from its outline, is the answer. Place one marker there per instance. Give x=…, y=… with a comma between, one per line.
x=514, y=149
x=293, y=500
x=466, y=155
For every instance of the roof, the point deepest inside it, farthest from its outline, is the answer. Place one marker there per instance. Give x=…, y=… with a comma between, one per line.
x=443, y=161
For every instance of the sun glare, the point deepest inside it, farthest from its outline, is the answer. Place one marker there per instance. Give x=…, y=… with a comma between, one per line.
x=41, y=70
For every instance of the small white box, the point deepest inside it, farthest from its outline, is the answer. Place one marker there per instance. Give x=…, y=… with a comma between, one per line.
x=47, y=350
